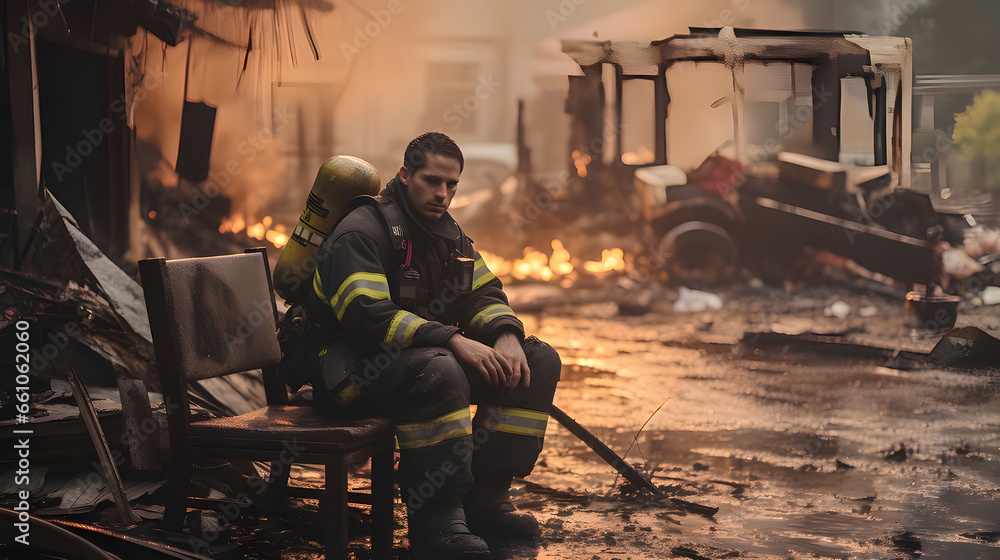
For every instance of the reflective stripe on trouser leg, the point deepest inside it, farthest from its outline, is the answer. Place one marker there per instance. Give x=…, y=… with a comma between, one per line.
x=433, y=457
x=433, y=428
x=507, y=440
x=455, y=424
x=519, y=421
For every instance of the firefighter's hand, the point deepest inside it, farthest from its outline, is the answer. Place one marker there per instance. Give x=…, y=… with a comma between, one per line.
x=509, y=346
x=488, y=362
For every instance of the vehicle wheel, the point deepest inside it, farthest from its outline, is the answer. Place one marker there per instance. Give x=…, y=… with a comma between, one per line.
x=699, y=255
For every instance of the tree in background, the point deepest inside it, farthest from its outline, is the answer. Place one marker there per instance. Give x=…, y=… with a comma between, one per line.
x=949, y=37
x=977, y=133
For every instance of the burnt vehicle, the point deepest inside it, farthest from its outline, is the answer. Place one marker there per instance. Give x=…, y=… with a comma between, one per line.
x=730, y=147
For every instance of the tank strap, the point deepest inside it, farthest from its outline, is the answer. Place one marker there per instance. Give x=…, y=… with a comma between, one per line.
x=395, y=225
x=397, y=230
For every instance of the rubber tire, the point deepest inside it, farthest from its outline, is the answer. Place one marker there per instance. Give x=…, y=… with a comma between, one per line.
x=688, y=263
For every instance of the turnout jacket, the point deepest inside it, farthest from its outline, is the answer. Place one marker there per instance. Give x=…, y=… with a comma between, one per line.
x=355, y=288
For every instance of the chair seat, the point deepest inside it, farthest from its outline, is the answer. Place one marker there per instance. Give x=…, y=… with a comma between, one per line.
x=273, y=427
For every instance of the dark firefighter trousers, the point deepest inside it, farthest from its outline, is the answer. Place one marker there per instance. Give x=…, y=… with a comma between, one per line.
x=428, y=392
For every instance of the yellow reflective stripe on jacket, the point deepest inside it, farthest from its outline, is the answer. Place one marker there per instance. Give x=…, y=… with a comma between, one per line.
x=402, y=328
x=481, y=274
x=318, y=288
x=423, y=434
x=491, y=312
x=520, y=421
x=371, y=284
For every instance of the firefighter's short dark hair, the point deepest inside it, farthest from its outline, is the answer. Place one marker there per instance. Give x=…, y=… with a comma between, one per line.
x=430, y=143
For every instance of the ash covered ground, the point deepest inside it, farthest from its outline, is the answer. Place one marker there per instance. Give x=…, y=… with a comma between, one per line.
x=808, y=451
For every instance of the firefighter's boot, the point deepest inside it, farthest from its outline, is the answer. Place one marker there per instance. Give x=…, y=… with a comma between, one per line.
x=438, y=531
x=490, y=513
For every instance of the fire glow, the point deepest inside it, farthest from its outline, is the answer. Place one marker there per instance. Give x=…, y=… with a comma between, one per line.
x=557, y=267
x=580, y=162
x=260, y=231
x=611, y=260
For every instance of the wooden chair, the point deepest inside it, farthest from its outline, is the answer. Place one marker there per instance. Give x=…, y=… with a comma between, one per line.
x=215, y=316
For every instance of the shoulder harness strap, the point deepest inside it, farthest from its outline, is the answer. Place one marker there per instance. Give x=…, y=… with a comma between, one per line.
x=395, y=225
x=464, y=243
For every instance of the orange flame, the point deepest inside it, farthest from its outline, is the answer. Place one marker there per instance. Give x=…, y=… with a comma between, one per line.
x=641, y=155
x=536, y=265
x=559, y=261
x=580, y=161
x=260, y=231
x=257, y=231
x=277, y=238
x=498, y=265
x=611, y=259
x=533, y=265
x=233, y=224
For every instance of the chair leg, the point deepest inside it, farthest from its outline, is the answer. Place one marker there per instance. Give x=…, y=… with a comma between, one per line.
x=177, y=492
x=333, y=510
x=382, y=504
x=277, y=483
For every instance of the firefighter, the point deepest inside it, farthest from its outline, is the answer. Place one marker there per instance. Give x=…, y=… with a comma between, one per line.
x=417, y=328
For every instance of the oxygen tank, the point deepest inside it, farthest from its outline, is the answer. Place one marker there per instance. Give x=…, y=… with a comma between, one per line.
x=338, y=180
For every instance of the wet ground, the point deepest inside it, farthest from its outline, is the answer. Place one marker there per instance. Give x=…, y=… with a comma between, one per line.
x=808, y=452
x=818, y=450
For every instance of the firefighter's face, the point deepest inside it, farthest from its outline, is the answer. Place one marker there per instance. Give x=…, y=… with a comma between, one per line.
x=430, y=189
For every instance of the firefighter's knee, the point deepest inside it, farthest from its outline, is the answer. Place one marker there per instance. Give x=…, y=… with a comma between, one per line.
x=440, y=377
x=545, y=365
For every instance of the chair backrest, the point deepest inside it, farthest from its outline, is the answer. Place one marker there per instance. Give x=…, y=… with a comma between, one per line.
x=209, y=317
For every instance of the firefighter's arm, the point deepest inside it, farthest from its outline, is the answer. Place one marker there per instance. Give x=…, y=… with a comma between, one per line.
x=353, y=284
x=484, y=314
